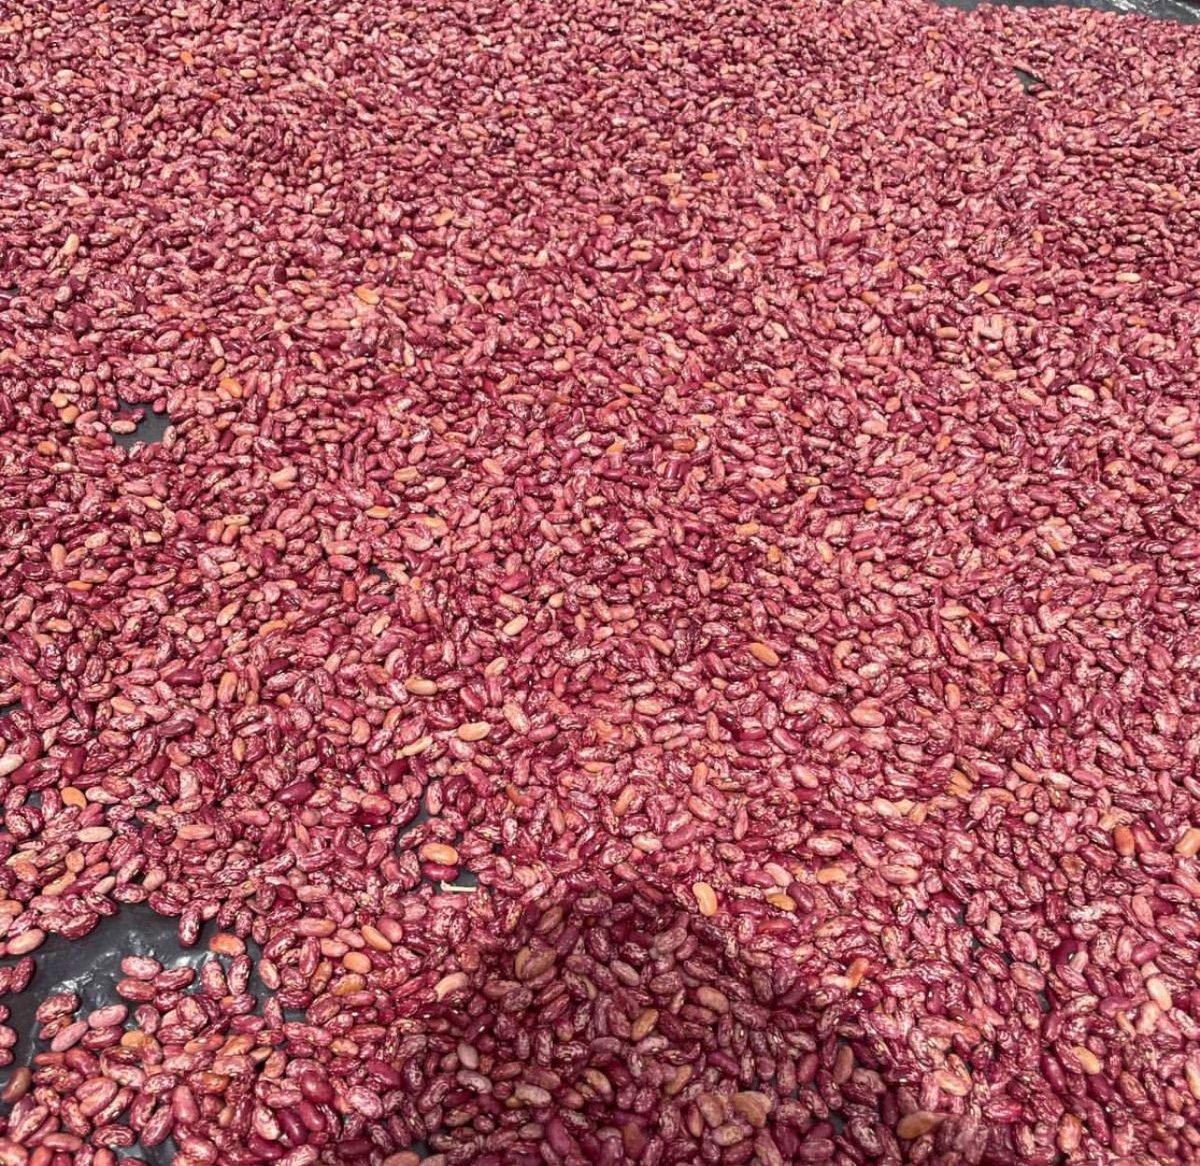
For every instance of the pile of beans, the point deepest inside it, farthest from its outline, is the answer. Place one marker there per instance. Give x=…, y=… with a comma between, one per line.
x=664, y=624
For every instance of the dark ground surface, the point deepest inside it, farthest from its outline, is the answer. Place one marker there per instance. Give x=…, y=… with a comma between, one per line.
x=90, y=967
x=1180, y=11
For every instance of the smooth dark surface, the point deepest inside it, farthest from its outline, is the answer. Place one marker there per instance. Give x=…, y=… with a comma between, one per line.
x=1180, y=11
x=150, y=426
x=90, y=967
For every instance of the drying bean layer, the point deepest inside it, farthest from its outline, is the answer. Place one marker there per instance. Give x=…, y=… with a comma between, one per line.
x=628, y=575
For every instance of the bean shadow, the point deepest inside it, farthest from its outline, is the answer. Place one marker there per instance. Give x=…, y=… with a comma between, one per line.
x=673, y=1034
